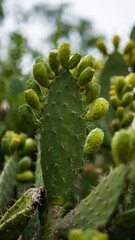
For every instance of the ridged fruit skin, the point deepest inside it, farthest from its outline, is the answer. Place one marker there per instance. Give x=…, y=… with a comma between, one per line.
x=62, y=137
x=87, y=61
x=85, y=77
x=54, y=60
x=74, y=60
x=64, y=54
x=93, y=140
x=32, y=99
x=91, y=93
x=96, y=210
x=40, y=74
x=32, y=84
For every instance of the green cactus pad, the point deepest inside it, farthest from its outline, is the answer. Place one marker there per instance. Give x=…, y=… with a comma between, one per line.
x=62, y=136
x=16, y=218
x=95, y=211
x=7, y=181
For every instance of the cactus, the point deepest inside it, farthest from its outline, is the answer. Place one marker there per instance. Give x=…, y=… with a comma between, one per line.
x=16, y=218
x=7, y=181
x=90, y=213
x=63, y=122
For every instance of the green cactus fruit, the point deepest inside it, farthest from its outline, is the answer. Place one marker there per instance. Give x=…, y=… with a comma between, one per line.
x=120, y=112
x=15, y=142
x=29, y=146
x=93, y=140
x=130, y=45
x=32, y=84
x=16, y=218
x=64, y=54
x=75, y=234
x=87, y=61
x=91, y=93
x=99, y=207
x=25, y=176
x=127, y=119
x=130, y=79
x=85, y=77
x=116, y=41
x=49, y=71
x=97, y=109
x=112, y=92
x=120, y=83
x=61, y=142
x=94, y=235
x=126, y=88
x=116, y=124
x=24, y=164
x=74, y=60
x=132, y=106
x=10, y=142
x=114, y=101
x=121, y=147
x=40, y=74
x=54, y=60
x=7, y=181
x=126, y=99
x=23, y=137
x=32, y=99
x=101, y=46
x=28, y=116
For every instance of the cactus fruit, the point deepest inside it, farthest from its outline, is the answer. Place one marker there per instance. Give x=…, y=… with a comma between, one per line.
x=93, y=140
x=91, y=93
x=32, y=99
x=101, y=46
x=78, y=234
x=85, y=77
x=74, y=60
x=97, y=109
x=87, y=61
x=116, y=41
x=24, y=164
x=40, y=74
x=25, y=176
x=32, y=84
x=16, y=218
x=54, y=60
x=64, y=54
x=28, y=116
x=90, y=213
x=123, y=146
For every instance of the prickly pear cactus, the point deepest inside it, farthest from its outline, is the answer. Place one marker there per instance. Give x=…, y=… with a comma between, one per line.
x=90, y=213
x=62, y=121
x=63, y=118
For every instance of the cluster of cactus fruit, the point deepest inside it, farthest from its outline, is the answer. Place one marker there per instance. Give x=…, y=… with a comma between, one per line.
x=61, y=103
x=122, y=100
